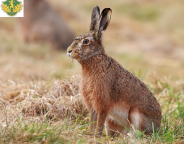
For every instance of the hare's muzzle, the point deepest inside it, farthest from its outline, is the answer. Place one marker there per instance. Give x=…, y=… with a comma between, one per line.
x=69, y=53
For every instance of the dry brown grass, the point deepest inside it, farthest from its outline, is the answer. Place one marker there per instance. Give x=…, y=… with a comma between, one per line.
x=40, y=100
x=59, y=103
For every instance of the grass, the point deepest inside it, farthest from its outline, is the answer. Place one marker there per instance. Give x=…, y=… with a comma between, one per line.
x=39, y=87
x=53, y=113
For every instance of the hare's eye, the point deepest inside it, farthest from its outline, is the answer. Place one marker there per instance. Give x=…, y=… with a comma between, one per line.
x=85, y=41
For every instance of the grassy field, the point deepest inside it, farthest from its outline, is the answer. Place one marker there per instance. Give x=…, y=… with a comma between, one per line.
x=39, y=86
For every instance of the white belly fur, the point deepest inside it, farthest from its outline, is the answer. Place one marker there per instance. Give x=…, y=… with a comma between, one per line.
x=119, y=115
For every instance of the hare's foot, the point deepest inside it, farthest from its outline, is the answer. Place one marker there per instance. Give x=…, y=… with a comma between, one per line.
x=114, y=129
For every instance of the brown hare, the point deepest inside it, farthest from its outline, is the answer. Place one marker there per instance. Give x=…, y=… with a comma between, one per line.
x=42, y=23
x=113, y=95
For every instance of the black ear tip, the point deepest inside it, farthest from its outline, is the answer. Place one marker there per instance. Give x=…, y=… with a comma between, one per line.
x=106, y=10
x=96, y=8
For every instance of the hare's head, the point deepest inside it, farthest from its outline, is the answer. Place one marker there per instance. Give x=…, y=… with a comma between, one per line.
x=90, y=44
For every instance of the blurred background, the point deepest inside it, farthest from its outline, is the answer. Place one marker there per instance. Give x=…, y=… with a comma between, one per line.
x=144, y=36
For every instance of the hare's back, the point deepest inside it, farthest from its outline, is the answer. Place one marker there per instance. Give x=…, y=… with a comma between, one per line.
x=130, y=89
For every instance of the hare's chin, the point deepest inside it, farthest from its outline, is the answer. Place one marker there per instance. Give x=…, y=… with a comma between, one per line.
x=68, y=54
x=71, y=56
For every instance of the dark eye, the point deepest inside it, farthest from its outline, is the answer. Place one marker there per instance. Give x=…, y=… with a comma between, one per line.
x=85, y=41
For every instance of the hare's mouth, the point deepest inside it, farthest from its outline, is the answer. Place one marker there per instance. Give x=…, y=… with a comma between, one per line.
x=69, y=54
x=73, y=54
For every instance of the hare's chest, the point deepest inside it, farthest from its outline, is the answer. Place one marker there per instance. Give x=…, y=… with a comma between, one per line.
x=95, y=94
x=88, y=90
x=91, y=86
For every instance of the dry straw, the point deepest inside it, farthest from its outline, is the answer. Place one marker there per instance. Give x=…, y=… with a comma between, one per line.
x=41, y=101
x=59, y=99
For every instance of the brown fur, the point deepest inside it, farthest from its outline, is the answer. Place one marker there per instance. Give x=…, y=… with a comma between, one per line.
x=42, y=23
x=113, y=95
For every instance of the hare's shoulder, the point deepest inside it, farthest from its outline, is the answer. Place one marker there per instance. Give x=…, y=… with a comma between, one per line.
x=122, y=72
x=127, y=80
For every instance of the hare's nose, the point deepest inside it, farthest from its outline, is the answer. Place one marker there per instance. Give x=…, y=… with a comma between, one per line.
x=69, y=52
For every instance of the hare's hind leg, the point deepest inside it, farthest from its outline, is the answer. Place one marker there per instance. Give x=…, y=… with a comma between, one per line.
x=141, y=122
x=147, y=123
x=114, y=129
x=134, y=118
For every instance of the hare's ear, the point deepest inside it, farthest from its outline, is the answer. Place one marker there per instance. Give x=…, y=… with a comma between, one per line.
x=94, y=17
x=103, y=22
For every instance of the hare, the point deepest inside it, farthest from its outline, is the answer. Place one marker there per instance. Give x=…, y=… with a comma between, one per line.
x=114, y=97
x=42, y=23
